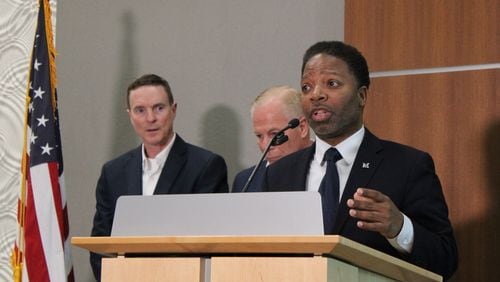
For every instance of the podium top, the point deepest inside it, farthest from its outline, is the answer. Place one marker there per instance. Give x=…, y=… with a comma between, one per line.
x=329, y=245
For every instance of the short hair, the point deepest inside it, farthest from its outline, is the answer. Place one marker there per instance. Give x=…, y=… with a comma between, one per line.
x=347, y=53
x=150, y=79
x=286, y=94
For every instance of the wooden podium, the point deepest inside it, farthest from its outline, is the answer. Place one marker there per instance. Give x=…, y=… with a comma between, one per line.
x=247, y=258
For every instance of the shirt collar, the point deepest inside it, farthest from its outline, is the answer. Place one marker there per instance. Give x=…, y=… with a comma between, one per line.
x=347, y=148
x=153, y=164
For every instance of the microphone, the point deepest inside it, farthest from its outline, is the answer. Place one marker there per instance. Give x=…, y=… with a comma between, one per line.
x=278, y=139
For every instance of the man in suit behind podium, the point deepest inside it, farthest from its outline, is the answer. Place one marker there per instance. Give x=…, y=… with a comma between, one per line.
x=163, y=164
x=379, y=193
x=271, y=111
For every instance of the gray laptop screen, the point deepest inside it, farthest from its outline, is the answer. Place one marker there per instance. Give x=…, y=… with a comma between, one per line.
x=270, y=213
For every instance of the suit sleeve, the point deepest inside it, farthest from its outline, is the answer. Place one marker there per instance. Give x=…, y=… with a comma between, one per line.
x=213, y=177
x=239, y=182
x=103, y=219
x=434, y=246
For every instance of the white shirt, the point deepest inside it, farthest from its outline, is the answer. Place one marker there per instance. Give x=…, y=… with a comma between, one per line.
x=349, y=149
x=152, y=167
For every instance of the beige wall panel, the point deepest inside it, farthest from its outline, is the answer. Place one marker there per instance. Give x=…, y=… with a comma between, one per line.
x=455, y=117
x=409, y=34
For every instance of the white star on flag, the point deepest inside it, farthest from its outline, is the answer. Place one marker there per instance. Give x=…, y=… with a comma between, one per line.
x=33, y=138
x=46, y=149
x=37, y=64
x=42, y=121
x=39, y=92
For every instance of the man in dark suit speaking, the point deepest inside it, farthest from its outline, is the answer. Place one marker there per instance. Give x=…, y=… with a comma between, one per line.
x=379, y=193
x=163, y=164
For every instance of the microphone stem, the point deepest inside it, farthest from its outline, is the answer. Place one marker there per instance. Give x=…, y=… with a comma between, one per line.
x=292, y=124
x=249, y=180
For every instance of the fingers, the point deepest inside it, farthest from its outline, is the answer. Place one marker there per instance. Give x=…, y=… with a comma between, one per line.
x=365, y=193
x=369, y=216
x=380, y=216
x=375, y=212
x=367, y=199
x=369, y=226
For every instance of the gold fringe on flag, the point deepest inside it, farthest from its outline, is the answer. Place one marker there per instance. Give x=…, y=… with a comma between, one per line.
x=17, y=254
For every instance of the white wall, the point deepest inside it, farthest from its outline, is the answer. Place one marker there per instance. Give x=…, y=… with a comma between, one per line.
x=217, y=55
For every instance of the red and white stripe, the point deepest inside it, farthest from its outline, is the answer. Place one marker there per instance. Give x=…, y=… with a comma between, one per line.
x=47, y=249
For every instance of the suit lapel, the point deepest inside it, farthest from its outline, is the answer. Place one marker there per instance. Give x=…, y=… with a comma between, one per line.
x=304, y=164
x=301, y=164
x=366, y=163
x=290, y=172
x=256, y=184
x=173, y=165
x=133, y=172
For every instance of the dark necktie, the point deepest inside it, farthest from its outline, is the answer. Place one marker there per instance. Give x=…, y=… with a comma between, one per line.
x=329, y=189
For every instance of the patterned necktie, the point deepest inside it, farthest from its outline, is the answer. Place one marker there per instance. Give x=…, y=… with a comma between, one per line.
x=329, y=189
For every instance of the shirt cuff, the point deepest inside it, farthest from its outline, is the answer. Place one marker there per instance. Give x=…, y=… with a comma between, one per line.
x=404, y=241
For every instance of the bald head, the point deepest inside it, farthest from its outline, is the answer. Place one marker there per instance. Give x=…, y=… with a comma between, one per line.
x=284, y=96
x=271, y=111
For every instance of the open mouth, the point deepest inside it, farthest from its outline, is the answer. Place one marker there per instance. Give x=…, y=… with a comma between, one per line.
x=320, y=115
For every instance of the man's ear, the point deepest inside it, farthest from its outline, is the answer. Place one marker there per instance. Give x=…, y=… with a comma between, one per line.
x=304, y=126
x=362, y=95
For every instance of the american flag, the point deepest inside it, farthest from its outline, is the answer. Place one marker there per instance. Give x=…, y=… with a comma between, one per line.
x=42, y=250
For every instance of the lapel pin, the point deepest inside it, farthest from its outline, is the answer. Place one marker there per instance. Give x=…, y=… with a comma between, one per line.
x=366, y=165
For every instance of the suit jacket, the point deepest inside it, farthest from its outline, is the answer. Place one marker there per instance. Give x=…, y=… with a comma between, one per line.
x=407, y=176
x=241, y=179
x=188, y=169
